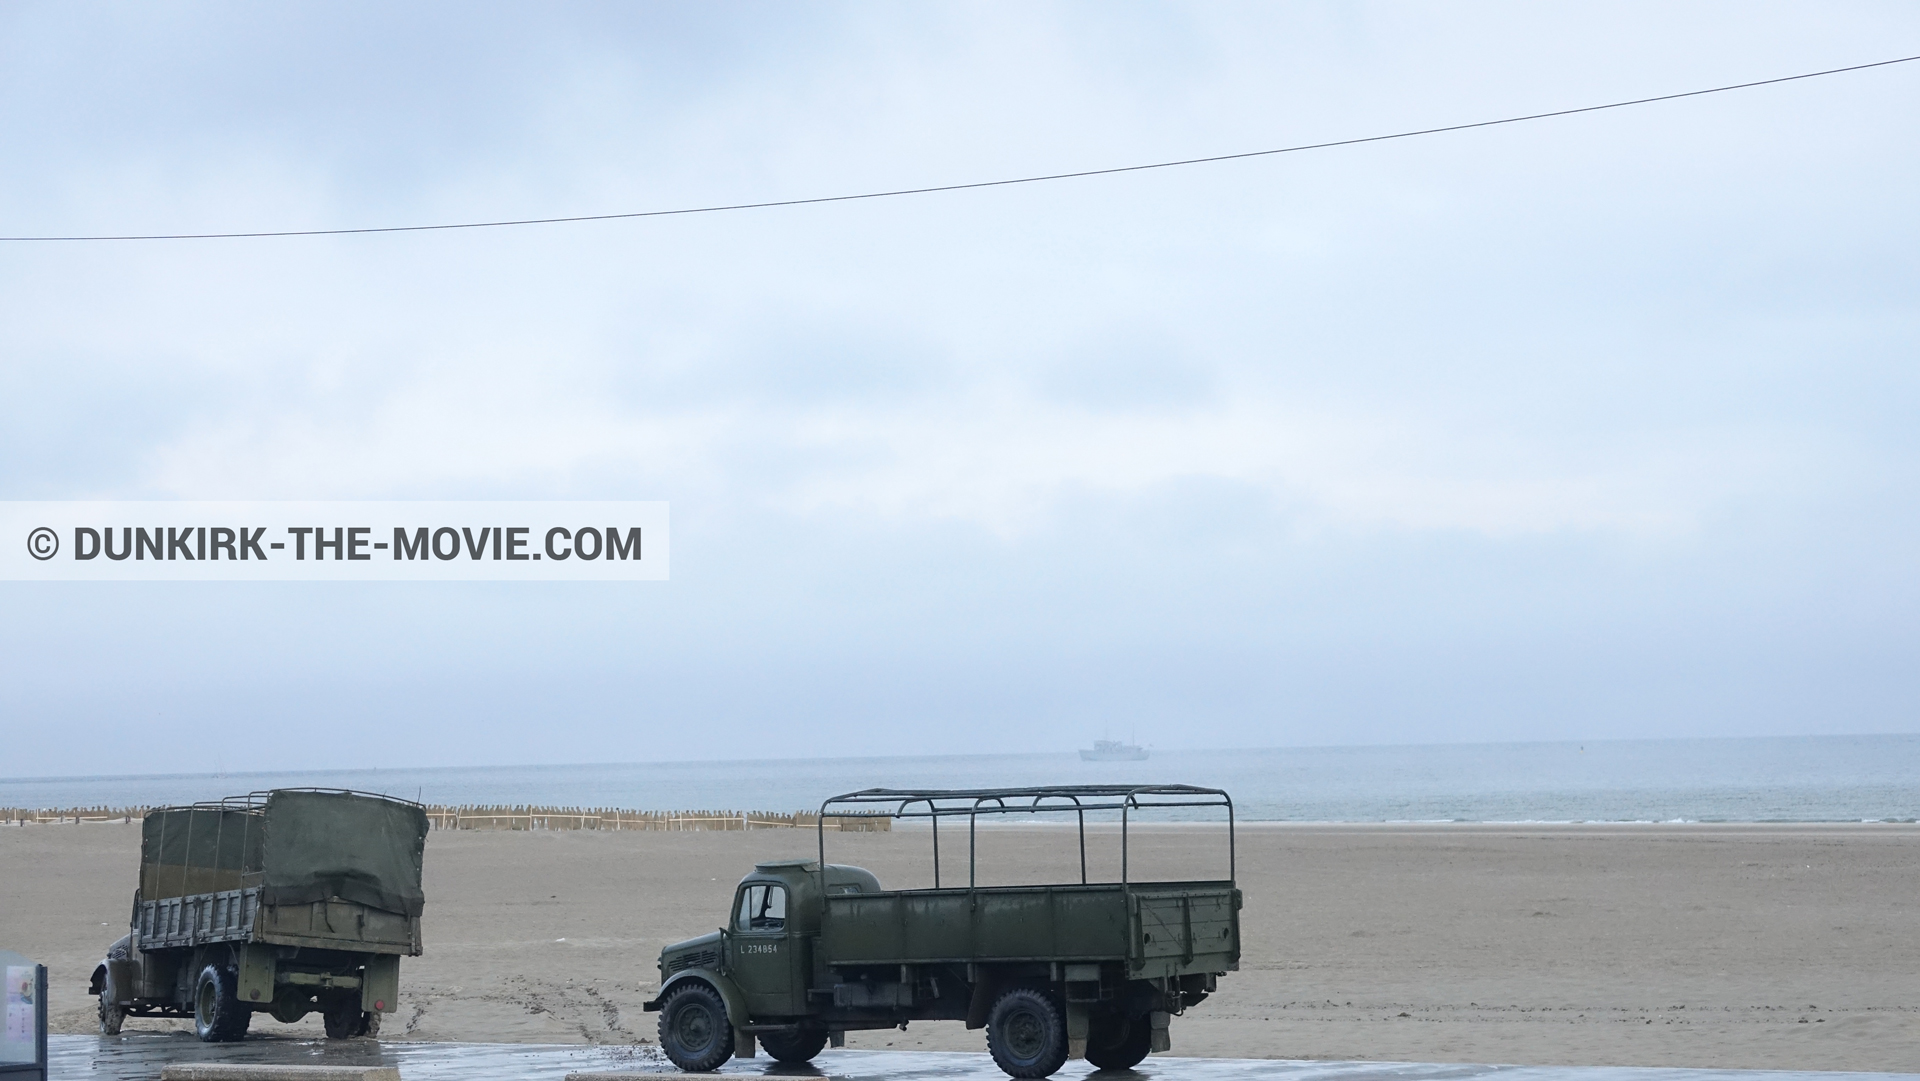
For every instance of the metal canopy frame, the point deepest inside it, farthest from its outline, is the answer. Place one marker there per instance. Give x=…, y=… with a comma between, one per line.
x=256, y=800
x=937, y=803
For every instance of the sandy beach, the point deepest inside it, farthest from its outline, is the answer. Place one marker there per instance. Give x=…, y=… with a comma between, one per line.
x=1749, y=946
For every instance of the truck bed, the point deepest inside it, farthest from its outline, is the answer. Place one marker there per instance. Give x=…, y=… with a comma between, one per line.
x=1156, y=928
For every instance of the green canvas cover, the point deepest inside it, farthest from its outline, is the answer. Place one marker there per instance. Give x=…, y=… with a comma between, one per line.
x=188, y=850
x=336, y=844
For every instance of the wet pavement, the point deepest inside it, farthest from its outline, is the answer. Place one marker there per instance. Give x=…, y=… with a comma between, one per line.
x=139, y=1057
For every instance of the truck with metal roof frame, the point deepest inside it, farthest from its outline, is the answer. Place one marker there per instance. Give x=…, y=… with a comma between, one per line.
x=288, y=902
x=1094, y=970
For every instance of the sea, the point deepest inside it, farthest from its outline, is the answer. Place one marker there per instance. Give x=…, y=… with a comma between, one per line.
x=1870, y=778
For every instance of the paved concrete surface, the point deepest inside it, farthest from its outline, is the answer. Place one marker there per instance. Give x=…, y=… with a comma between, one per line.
x=266, y=1071
x=273, y=1072
x=142, y=1057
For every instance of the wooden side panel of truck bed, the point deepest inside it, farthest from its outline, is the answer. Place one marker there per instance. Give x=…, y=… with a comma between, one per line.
x=1106, y=922
x=1184, y=929
x=238, y=916
x=1030, y=923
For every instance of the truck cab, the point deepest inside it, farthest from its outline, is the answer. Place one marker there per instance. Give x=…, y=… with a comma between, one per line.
x=769, y=943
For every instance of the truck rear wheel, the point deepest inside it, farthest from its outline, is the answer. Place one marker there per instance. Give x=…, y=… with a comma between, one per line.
x=351, y=1021
x=218, y=1015
x=795, y=1047
x=694, y=1030
x=1118, y=1042
x=1026, y=1033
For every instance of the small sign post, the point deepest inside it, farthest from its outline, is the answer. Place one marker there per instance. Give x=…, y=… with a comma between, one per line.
x=23, y=1019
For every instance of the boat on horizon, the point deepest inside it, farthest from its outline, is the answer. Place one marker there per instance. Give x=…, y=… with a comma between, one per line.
x=1113, y=750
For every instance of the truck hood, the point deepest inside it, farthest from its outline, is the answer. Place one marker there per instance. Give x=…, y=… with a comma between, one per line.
x=702, y=952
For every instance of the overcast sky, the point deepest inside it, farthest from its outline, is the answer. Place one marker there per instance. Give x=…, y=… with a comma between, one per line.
x=1595, y=427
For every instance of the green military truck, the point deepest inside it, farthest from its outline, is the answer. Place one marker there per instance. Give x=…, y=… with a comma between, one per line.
x=286, y=903
x=1091, y=970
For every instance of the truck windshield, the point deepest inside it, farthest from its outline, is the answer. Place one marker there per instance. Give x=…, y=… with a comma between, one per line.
x=763, y=908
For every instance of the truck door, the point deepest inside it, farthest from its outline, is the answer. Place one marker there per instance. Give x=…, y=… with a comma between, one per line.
x=762, y=951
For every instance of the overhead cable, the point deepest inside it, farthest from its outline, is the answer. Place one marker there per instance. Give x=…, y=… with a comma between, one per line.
x=770, y=204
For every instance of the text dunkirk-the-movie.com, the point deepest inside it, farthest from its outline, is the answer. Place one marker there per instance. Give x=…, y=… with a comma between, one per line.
x=334, y=541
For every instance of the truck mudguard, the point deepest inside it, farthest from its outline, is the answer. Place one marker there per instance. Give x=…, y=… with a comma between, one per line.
x=729, y=994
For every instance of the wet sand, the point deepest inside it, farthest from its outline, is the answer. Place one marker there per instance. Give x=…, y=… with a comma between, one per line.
x=1783, y=947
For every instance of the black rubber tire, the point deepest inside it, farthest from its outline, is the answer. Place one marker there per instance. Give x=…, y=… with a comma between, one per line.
x=218, y=1015
x=694, y=1029
x=794, y=1047
x=350, y=1023
x=1118, y=1042
x=1027, y=1034
x=111, y=1016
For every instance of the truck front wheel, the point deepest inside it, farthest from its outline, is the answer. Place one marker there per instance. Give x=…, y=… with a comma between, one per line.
x=795, y=1047
x=1119, y=1042
x=1026, y=1033
x=694, y=1030
x=218, y=1015
x=111, y=1016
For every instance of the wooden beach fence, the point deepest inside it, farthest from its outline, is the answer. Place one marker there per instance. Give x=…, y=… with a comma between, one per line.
x=522, y=817
x=610, y=818
x=22, y=815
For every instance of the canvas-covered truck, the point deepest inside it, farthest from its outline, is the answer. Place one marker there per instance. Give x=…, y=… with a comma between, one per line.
x=288, y=902
x=1089, y=969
